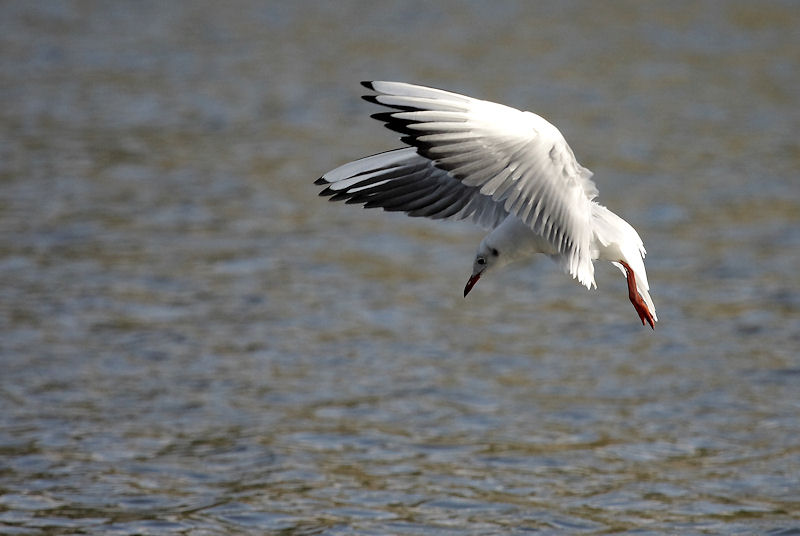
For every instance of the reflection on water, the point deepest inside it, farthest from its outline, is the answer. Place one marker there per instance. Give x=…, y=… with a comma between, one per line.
x=192, y=342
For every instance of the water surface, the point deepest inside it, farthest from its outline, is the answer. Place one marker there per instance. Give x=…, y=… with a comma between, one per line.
x=192, y=342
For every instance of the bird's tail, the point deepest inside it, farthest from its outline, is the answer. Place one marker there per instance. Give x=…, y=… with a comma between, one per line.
x=618, y=241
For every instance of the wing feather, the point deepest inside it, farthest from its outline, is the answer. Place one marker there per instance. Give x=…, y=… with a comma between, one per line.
x=402, y=180
x=473, y=159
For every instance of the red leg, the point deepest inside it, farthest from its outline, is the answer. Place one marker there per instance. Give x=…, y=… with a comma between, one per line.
x=636, y=300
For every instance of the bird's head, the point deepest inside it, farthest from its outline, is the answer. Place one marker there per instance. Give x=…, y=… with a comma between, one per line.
x=486, y=258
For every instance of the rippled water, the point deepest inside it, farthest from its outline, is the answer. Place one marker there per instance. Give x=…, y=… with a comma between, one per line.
x=192, y=342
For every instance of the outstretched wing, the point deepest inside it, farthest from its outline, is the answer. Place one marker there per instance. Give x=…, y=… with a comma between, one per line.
x=474, y=158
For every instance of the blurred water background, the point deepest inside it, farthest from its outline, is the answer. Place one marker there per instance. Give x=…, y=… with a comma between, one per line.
x=192, y=342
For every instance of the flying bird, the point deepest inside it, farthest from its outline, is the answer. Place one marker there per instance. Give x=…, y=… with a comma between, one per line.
x=504, y=169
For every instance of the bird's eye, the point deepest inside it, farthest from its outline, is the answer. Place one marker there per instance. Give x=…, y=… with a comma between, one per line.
x=481, y=260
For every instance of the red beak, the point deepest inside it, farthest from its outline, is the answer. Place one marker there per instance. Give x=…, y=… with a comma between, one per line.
x=471, y=283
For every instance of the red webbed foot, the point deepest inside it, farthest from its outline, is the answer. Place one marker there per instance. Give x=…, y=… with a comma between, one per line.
x=638, y=303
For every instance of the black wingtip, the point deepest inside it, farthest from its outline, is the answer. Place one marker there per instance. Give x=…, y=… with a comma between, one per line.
x=371, y=98
x=392, y=123
x=385, y=117
x=320, y=181
x=368, y=84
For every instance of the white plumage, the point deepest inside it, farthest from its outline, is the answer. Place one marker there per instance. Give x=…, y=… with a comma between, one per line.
x=506, y=170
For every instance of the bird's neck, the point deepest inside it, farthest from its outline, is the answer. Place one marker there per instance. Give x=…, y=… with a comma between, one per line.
x=515, y=240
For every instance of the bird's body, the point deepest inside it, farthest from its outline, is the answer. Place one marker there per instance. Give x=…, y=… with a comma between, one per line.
x=504, y=169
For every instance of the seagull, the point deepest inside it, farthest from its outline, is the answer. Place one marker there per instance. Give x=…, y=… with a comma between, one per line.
x=505, y=170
